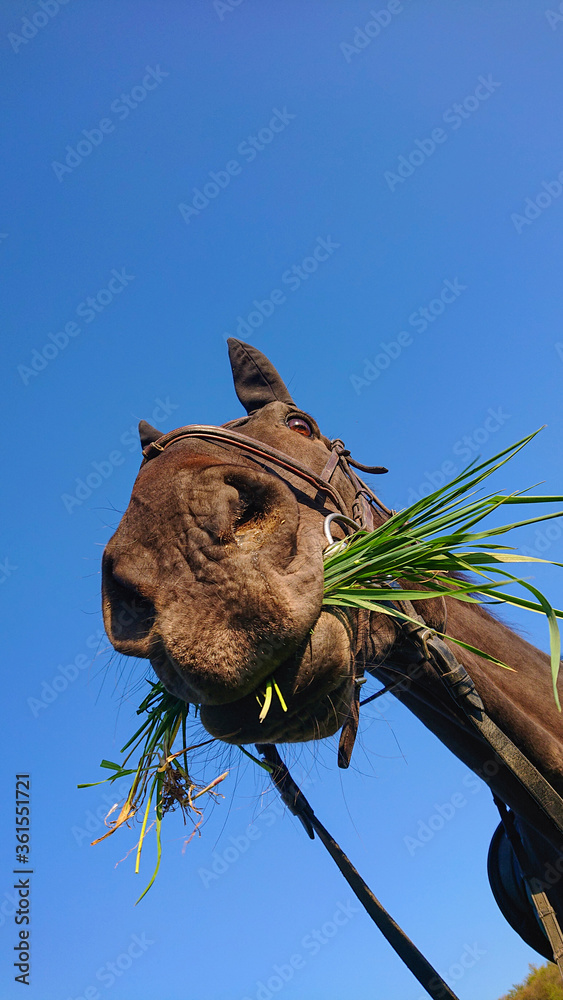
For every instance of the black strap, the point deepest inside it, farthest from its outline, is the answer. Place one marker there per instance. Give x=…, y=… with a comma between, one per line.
x=296, y=802
x=431, y=648
x=349, y=729
x=540, y=899
x=465, y=694
x=463, y=691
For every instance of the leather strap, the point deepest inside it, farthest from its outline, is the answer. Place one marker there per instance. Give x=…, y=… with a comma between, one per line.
x=349, y=729
x=223, y=435
x=463, y=691
x=339, y=455
x=296, y=802
x=435, y=651
x=431, y=648
x=332, y=463
x=540, y=899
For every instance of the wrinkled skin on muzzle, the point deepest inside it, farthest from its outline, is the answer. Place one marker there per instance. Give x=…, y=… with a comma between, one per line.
x=215, y=575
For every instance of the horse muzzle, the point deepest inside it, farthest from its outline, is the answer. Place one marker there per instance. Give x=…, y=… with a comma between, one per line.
x=220, y=591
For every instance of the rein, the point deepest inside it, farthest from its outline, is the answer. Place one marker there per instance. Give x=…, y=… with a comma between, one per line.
x=293, y=798
x=427, y=647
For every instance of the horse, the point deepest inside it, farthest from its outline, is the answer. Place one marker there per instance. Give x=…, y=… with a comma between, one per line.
x=215, y=575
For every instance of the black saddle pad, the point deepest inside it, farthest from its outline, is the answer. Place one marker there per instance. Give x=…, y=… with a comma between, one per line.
x=512, y=895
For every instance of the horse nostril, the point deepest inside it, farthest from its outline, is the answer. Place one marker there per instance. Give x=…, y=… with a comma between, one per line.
x=253, y=512
x=128, y=615
x=251, y=509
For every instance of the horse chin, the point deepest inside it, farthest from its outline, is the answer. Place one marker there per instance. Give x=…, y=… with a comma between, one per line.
x=315, y=683
x=314, y=720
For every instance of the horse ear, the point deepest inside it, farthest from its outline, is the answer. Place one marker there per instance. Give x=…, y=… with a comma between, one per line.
x=148, y=433
x=256, y=380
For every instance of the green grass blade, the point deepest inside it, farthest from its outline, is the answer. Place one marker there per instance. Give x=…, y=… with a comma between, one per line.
x=261, y=763
x=144, y=826
x=158, y=838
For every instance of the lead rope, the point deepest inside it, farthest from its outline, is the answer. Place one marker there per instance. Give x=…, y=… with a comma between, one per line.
x=293, y=798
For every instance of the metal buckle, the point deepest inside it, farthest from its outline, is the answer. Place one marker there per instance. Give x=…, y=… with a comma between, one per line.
x=423, y=636
x=153, y=446
x=338, y=517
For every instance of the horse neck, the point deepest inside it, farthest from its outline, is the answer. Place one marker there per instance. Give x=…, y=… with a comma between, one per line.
x=519, y=700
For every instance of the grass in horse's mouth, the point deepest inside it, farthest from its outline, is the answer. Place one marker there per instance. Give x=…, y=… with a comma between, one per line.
x=423, y=544
x=159, y=772
x=271, y=687
x=432, y=539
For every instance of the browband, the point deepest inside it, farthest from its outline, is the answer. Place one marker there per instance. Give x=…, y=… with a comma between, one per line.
x=208, y=432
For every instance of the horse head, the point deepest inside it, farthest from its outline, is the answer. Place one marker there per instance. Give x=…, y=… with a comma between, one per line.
x=215, y=573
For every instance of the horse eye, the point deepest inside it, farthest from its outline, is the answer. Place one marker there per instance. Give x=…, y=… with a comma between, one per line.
x=300, y=425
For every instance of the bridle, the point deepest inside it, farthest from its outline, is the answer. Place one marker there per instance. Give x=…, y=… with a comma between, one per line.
x=339, y=457
x=427, y=647
x=363, y=517
x=363, y=512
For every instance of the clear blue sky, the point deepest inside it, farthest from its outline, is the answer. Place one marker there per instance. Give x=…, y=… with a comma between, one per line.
x=431, y=333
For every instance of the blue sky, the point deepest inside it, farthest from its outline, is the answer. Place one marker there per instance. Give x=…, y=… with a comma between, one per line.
x=170, y=168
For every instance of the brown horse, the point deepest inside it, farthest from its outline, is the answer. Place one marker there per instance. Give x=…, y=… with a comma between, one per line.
x=215, y=575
